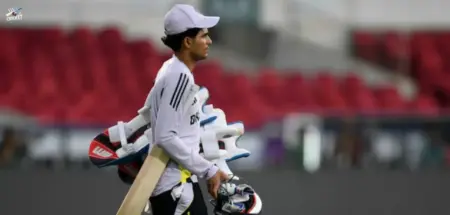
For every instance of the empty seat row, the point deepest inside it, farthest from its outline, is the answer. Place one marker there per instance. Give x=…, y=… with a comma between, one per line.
x=88, y=77
x=420, y=54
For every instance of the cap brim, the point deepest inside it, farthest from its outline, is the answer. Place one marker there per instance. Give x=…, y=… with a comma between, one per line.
x=208, y=22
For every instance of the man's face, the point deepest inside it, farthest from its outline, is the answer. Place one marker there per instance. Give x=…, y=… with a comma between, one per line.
x=200, y=45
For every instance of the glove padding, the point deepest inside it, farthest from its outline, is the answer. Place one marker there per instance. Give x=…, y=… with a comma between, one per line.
x=218, y=139
x=214, y=120
x=236, y=199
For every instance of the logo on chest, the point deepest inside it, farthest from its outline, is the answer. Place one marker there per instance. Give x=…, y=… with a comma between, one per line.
x=195, y=118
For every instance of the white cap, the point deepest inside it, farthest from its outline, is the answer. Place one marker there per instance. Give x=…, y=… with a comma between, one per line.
x=183, y=17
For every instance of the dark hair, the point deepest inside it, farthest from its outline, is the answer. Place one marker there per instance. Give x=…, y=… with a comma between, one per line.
x=175, y=41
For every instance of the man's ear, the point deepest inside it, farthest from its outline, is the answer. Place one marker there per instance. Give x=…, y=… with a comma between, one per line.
x=187, y=42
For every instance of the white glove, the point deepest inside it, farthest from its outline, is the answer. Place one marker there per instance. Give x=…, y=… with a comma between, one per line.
x=210, y=138
x=216, y=120
x=215, y=130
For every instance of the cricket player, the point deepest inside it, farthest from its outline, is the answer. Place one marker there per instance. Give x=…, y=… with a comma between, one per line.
x=170, y=118
x=126, y=145
x=174, y=113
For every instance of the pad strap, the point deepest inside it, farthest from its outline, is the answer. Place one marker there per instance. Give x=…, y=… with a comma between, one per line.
x=122, y=135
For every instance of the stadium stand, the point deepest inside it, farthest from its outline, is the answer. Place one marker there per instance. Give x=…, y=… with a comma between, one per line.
x=86, y=77
x=420, y=54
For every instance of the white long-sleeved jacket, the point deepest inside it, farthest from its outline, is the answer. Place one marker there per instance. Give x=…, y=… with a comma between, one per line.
x=174, y=117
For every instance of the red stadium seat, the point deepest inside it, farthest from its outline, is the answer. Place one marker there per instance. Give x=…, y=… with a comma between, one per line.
x=389, y=101
x=82, y=36
x=10, y=44
x=269, y=87
x=358, y=97
x=89, y=77
x=142, y=49
x=421, y=53
x=366, y=44
x=425, y=105
x=209, y=74
x=111, y=40
x=50, y=38
x=241, y=92
x=351, y=84
x=327, y=92
x=145, y=62
x=165, y=56
x=85, y=42
x=394, y=50
x=297, y=92
x=242, y=98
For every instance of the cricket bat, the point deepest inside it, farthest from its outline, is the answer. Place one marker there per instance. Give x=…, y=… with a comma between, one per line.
x=144, y=183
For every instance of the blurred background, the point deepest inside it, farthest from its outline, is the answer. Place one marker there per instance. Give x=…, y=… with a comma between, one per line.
x=345, y=102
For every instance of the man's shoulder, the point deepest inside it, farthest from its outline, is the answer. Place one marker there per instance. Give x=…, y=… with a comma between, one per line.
x=174, y=70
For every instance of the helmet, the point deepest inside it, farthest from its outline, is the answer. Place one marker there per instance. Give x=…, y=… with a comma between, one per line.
x=235, y=199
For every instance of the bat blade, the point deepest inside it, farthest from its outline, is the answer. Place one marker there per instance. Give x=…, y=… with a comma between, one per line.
x=145, y=182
